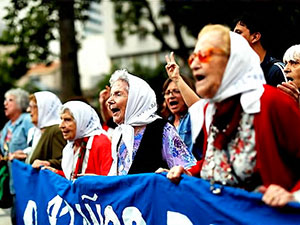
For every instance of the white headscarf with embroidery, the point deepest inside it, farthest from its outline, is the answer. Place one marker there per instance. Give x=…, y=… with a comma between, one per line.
x=140, y=110
x=243, y=75
x=87, y=125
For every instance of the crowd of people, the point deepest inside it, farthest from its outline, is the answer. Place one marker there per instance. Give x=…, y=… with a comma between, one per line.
x=238, y=125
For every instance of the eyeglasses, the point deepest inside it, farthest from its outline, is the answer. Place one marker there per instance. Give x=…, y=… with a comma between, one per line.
x=173, y=92
x=205, y=56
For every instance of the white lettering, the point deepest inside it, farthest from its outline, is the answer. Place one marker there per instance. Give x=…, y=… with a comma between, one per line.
x=30, y=209
x=110, y=216
x=175, y=218
x=54, y=204
x=132, y=214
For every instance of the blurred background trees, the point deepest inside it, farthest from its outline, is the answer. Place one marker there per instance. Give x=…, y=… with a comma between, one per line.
x=32, y=24
x=30, y=27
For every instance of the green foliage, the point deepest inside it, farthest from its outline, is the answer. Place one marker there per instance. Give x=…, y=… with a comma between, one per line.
x=30, y=26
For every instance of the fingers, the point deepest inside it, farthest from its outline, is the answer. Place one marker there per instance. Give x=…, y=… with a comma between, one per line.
x=290, y=88
x=161, y=170
x=277, y=196
x=49, y=168
x=172, y=57
x=38, y=163
x=175, y=174
x=167, y=58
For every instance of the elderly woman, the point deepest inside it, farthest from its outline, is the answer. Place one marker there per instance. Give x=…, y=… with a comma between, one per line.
x=48, y=141
x=291, y=58
x=14, y=133
x=142, y=142
x=89, y=149
x=252, y=142
x=13, y=140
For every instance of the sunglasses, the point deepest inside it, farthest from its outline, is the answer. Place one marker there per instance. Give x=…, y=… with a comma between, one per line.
x=205, y=56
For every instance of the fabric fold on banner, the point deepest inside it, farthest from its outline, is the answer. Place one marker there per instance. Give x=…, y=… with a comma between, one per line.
x=46, y=198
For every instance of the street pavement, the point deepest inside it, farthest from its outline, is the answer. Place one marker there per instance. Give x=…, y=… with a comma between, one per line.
x=5, y=217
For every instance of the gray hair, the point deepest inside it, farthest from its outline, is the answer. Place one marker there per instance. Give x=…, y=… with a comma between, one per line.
x=293, y=53
x=119, y=75
x=22, y=97
x=65, y=109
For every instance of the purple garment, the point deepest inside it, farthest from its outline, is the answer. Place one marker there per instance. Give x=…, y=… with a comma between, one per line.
x=174, y=151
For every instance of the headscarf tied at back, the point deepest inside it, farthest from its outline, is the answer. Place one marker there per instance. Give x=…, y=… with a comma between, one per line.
x=87, y=125
x=48, y=108
x=140, y=110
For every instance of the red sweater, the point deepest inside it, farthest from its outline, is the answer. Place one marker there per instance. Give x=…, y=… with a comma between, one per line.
x=100, y=159
x=277, y=130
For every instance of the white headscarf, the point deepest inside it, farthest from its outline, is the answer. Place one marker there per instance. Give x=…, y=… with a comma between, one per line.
x=140, y=110
x=243, y=75
x=87, y=125
x=48, y=105
x=48, y=108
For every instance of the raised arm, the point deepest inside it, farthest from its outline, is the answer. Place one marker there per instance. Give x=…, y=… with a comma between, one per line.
x=172, y=68
x=104, y=111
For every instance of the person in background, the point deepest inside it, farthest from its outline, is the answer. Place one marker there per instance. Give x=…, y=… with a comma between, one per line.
x=48, y=141
x=291, y=58
x=252, y=28
x=89, y=149
x=176, y=108
x=15, y=132
x=251, y=141
x=143, y=141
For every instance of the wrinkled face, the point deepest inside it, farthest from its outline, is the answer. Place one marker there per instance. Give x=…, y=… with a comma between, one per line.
x=292, y=69
x=208, y=69
x=33, y=110
x=67, y=125
x=118, y=100
x=174, y=99
x=243, y=30
x=11, y=107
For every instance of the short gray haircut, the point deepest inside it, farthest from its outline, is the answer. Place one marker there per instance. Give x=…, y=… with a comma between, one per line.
x=292, y=53
x=119, y=75
x=22, y=97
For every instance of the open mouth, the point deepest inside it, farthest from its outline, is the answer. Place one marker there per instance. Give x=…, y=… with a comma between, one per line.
x=173, y=103
x=114, y=110
x=199, y=77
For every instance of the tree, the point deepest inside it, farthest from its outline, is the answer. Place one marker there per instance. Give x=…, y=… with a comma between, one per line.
x=281, y=18
x=31, y=25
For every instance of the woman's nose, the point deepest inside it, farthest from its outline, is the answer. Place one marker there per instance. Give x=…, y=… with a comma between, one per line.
x=110, y=100
x=287, y=68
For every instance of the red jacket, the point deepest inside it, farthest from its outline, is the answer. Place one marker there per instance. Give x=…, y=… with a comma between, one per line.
x=277, y=130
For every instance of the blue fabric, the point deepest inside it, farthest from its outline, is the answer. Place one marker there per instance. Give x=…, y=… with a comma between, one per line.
x=185, y=132
x=19, y=133
x=149, y=197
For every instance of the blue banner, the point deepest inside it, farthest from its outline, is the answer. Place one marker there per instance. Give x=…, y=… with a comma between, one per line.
x=43, y=197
